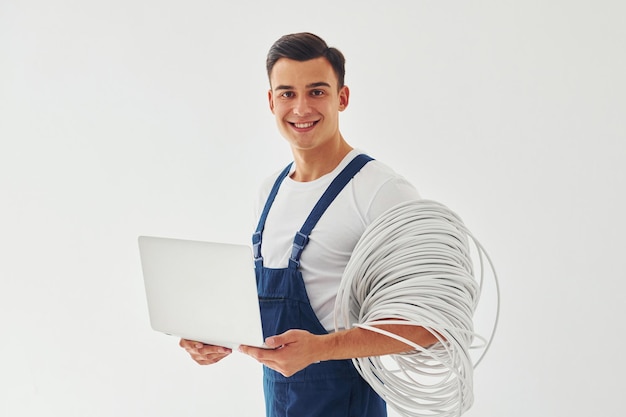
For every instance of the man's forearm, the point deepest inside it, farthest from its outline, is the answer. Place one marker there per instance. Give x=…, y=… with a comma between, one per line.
x=359, y=343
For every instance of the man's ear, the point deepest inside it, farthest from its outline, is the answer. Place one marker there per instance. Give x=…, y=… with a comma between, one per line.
x=344, y=97
x=270, y=99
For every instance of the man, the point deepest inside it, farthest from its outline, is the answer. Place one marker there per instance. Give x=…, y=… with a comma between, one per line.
x=308, y=372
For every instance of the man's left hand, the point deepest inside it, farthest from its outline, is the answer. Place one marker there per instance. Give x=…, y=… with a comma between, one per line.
x=289, y=352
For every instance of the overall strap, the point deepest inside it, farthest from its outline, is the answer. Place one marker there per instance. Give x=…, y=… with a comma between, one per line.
x=256, y=237
x=302, y=237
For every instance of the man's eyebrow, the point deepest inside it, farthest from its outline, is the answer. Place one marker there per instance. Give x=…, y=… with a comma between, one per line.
x=311, y=85
x=318, y=84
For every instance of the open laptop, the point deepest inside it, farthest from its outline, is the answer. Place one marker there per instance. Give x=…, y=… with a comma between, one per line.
x=202, y=291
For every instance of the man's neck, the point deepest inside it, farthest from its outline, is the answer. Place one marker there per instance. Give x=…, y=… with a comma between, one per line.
x=312, y=164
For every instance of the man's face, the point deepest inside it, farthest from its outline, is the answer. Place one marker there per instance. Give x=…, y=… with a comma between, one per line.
x=306, y=102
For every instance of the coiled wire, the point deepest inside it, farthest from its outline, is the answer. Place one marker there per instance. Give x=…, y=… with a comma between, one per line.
x=413, y=266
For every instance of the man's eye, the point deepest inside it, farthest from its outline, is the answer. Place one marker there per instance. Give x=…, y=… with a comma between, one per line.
x=317, y=93
x=287, y=94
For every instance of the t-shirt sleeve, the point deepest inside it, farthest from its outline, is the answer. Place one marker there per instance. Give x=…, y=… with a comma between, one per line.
x=393, y=192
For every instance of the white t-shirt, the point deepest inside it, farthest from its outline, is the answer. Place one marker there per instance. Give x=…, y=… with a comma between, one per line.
x=375, y=189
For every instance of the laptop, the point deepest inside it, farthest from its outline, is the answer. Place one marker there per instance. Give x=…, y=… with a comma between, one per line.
x=201, y=291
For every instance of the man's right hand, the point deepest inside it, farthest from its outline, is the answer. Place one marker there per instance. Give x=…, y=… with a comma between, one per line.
x=204, y=354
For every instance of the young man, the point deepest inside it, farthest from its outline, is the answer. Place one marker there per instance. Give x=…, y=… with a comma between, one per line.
x=309, y=373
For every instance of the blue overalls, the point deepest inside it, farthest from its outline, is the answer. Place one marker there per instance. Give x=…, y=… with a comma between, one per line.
x=325, y=389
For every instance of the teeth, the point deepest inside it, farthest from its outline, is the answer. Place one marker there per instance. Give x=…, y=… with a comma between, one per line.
x=303, y=125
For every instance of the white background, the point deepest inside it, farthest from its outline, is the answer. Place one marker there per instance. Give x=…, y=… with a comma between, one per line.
x=120, y=118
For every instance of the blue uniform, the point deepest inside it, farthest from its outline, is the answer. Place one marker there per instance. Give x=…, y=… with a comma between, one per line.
x=325, y=389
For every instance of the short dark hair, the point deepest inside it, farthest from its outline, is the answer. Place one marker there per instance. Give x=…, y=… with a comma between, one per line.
x=303, y=47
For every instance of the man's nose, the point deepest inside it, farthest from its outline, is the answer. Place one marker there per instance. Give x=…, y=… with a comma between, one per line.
x=302, y=106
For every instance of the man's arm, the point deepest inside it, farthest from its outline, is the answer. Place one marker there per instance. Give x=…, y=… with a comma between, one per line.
x=296, y=349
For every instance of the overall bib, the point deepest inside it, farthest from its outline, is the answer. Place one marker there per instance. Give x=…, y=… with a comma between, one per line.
x=324, y=389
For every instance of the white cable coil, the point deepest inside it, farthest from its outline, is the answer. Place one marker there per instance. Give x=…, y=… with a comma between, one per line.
x=413, y=266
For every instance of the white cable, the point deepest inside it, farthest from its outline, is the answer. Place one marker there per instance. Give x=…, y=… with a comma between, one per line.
x=413, y=266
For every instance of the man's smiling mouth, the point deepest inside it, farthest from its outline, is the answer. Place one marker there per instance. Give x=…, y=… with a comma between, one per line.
x=305, y=125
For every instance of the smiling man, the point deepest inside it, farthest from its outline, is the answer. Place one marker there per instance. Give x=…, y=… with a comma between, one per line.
x=311, y=216
x=306, y=99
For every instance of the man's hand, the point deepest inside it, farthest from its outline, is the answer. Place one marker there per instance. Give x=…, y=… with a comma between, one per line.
x=289, y=352
x=204, y=354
